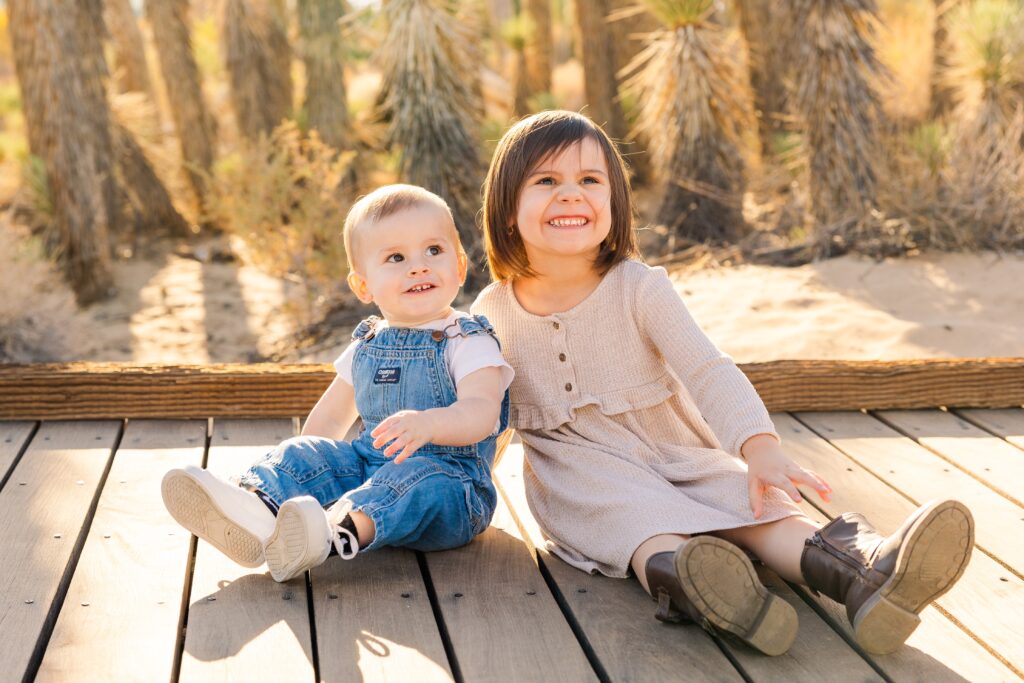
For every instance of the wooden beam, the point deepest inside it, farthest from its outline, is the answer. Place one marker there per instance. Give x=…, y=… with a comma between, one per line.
x=117, y=390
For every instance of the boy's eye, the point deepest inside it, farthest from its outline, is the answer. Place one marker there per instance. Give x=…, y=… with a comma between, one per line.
x=394, y=258
x=434, y=250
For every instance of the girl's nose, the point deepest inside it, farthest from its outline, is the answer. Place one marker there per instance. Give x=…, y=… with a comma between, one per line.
x=569, y=193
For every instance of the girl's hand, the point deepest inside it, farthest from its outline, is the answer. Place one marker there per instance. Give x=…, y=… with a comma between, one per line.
x=768, y=466
x=407, y=430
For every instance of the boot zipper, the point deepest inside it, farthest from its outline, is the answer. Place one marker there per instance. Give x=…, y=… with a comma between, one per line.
x=816, y=541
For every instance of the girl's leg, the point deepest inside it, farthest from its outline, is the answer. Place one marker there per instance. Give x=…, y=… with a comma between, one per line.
x=779, y=544
x=655, y=544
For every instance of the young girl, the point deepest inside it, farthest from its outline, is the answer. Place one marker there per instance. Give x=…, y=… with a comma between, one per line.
x=646, y=448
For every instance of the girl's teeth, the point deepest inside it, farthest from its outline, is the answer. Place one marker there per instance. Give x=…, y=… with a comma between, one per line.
x=567, y=222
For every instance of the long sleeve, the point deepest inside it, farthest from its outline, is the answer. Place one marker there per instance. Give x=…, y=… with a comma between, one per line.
x=723, y=394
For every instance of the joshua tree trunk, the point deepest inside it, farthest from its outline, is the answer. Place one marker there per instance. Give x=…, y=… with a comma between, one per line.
x=766, y=65
x=259, y=65
x=59, y=61
x=196, y=128
x=599, y=80
x=430, y=103
x=836, y=100
x=141, y=194
x=538, y=45
x=129, y=55
x=942, y=98
x=326, y=103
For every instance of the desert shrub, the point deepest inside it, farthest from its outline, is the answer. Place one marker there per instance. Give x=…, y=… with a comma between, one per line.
x=37, y=324
x=282, y=195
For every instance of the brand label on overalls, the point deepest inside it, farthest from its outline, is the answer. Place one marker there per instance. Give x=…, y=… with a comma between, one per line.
x=387, y=375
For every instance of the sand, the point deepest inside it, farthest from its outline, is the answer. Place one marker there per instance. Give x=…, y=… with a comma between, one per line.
x=190, y=309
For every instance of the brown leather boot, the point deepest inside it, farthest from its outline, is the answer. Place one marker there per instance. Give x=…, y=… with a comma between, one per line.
x=885, y=581
x=711, y=582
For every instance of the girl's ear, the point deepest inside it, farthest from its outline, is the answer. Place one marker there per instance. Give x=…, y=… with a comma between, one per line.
x=357, y=283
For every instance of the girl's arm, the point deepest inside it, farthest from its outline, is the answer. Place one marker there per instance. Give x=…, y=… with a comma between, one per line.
x=470, y=419
x=334, y=413
x=724, y=395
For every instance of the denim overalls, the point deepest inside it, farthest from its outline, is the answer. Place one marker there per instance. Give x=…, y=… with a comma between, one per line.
x=441, y=496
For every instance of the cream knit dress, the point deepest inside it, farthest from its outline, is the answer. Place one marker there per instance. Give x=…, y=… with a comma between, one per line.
x=631, y=419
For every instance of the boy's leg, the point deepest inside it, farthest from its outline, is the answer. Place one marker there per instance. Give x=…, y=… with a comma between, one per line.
x=306, y=466
x=711, y=582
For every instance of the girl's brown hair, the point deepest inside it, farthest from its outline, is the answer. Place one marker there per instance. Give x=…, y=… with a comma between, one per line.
x=525, y=145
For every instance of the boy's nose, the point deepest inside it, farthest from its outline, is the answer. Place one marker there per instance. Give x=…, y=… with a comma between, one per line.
x=416, y=268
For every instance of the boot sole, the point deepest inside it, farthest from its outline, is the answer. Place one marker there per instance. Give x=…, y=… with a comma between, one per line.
x=292, y=549
x=193, y=508
x=722, y=584
x=933, y=557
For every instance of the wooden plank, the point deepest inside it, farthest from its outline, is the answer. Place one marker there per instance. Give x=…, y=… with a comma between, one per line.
x=618, y=618
x=1007, y=423
x=43, y=512
x=987, y=457
x=987, y=602
x=241, y=624
x=91, y=390
x=374, y=621
x=126, y=593
x=937, y=652
x=502, y=621
x=921, y=476
x=14, y=437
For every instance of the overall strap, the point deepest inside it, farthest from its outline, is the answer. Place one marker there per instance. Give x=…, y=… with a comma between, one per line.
x=469, y=326
x=366, y=329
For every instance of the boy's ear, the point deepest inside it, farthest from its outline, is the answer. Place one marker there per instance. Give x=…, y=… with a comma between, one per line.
x=463, y=261
x=357, y=283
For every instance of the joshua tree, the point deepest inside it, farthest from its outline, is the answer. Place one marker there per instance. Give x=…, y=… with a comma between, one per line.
x=322, y=51
x=432, y=109
x=516, y=34
x=694, y=100
x=764, y=34
x=594, y=38
x=942, y=97
x=259, y=64
x=59, y=61
x=196, y=128
x=129, y=54
x=538, y=45
x=836, y=102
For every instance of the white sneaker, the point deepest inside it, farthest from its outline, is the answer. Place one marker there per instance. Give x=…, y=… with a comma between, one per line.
x=303, y=537
x=226, y=516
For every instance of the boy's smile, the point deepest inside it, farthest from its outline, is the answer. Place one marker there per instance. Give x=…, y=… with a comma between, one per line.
x=411, y=265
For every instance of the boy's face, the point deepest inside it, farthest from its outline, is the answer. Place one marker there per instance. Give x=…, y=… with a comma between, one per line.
x=410, y=265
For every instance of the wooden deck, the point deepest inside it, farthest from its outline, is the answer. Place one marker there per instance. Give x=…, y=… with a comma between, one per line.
x=97, y=583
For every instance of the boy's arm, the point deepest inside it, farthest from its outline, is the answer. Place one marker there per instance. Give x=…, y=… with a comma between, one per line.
x=470, y=419
x=334, y=413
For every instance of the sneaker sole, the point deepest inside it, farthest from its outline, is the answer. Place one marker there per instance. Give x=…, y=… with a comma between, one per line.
x=193, y=508
x=288, y=551
x=720, y=581
x=933, y=557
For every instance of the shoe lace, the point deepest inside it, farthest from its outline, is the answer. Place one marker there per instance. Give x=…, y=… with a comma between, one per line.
x=345, y=542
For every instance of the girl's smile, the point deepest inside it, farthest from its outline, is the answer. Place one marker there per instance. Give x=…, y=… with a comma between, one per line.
x=563, y=209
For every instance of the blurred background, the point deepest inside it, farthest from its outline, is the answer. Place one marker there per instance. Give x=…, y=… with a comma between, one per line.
x=823, y=178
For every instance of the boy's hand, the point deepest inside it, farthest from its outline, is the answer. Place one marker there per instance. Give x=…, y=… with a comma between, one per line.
x=407, y=430
x=769, y=466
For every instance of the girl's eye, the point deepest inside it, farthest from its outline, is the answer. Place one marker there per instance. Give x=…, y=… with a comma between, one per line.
x=434, y=250
x=591, y=179
x=394, y=258
x=546, y=180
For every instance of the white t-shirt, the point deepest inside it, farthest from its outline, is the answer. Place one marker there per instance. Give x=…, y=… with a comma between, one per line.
x=463, y=355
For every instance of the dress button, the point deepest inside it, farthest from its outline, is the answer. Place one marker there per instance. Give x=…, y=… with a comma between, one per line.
x=568, y=387
x=556, y=325
x=561, y=357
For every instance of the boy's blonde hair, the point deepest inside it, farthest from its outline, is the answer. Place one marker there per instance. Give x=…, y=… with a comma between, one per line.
x=387, y=201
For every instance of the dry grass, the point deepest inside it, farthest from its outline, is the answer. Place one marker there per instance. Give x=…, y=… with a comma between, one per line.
x=37, y=324
x=283, y=196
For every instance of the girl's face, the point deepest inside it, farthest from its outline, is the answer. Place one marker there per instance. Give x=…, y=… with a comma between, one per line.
x=564, y=205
